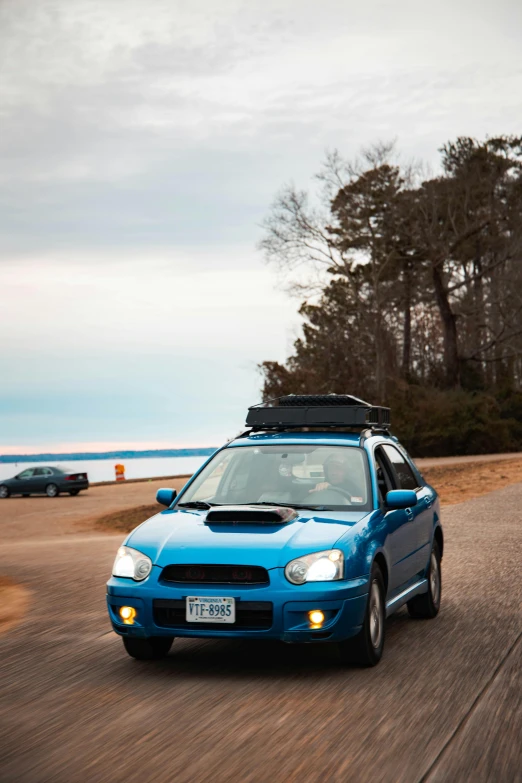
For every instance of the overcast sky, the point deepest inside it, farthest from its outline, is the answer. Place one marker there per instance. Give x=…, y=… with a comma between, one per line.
x=141, y=144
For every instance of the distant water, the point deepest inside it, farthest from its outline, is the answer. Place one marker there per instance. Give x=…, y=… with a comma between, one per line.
x=103, y=469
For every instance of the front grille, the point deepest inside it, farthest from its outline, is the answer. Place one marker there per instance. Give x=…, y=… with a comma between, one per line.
x=216, y=574
x=252, y=615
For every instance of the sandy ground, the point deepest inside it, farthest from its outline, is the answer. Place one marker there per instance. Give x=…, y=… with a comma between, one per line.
x=66, y=515
x=443, y=705
x=462, y=481
x=14, y=603
x=432, y=462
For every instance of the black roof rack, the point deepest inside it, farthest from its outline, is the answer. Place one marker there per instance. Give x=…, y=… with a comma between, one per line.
x=321, y=410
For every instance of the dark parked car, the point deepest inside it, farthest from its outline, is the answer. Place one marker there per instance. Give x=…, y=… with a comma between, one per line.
x=44, y=481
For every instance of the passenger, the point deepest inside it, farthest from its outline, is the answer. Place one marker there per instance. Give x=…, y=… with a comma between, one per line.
x=336, y=472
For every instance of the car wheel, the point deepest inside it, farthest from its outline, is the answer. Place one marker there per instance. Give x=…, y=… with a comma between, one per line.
x=52, y=491
x=4, y=491
x=427, y=605
x=366, y=648
x=150, y=649
x=74, y=492
x=26, y=494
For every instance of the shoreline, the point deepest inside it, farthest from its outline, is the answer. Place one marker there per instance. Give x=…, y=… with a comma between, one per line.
x=140, y=480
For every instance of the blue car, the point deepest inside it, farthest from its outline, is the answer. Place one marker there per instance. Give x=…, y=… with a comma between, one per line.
x=312, y=526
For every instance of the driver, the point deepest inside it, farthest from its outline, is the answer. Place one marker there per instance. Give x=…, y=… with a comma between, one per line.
x=336, y=473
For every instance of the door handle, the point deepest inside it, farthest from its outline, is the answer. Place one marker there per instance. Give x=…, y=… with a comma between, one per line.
x=428, y=501
x=409, y=514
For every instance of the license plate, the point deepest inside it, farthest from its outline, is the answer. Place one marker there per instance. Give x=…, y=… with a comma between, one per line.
x=209, y=609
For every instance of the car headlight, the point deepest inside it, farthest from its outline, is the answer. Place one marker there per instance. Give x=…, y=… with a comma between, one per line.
x=132, y=564
x=326, y=566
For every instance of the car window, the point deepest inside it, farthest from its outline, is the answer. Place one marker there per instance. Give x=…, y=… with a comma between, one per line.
x=214, y=479
x=385, y=478
x=404, y=473
x=311, y=475
x=42, y=472
x=25, y=474
x=416, y=472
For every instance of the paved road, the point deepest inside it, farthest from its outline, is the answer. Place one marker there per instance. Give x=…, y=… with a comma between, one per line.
x=443, y=705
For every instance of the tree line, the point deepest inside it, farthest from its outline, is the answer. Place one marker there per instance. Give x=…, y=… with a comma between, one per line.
x=412, y=289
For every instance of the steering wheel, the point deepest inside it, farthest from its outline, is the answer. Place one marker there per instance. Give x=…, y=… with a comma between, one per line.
x=318, y=496
x=341, y=491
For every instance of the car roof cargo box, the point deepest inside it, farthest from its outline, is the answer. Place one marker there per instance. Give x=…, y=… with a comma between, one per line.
x=323, y=410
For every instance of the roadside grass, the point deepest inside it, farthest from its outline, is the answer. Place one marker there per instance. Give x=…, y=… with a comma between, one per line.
x=454, y=483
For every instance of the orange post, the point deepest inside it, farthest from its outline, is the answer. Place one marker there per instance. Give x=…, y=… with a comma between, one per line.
x=120, y=472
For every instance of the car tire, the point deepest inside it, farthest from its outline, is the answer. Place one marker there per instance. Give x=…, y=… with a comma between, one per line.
x=74, y=492
x=151, y=649
x=367, y=647
x=4, y=491
x=26, y=494
x=52, y=491
x=427, y=605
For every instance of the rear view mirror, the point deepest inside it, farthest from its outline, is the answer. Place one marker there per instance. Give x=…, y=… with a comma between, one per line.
x=165, y=496
x=401, y=498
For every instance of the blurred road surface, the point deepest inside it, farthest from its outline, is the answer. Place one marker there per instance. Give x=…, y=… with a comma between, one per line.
x=443, y=705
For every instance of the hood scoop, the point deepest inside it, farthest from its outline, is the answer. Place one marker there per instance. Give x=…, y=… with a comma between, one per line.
x=250, y=515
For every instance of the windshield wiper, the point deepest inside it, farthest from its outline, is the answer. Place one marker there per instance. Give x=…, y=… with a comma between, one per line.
x=277, y=503
x=197, y=504
x=204, y=504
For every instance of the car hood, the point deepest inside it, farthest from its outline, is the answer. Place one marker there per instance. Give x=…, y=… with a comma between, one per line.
x=181, y=536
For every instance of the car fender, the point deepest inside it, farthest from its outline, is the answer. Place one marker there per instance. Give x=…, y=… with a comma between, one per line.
x=438, y=533
x=362, y=544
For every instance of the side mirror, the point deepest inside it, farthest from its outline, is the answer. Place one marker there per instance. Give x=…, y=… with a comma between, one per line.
x=401, y=498
x=165, y=496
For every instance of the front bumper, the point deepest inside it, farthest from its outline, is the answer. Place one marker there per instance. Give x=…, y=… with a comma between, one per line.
x=343, y=604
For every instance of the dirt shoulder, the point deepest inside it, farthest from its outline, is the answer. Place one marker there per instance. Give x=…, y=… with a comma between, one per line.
x=14, y=602
x=42, y=517
x=127, y=519
x=457, y=483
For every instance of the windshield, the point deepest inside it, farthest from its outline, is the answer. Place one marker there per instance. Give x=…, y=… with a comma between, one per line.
x=331, y=477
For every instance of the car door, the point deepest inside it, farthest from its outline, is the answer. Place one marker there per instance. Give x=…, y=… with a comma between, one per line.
x=40, y=479
x=24, y=483
x=416, y=534
x=426, y=517
x=397, y=524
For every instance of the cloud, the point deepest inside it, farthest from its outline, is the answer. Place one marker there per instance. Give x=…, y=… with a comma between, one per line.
x=141, y=146
x=148, y=350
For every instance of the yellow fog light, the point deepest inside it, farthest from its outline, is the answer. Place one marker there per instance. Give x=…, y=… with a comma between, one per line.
x=316, y=617
x=127, y=614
